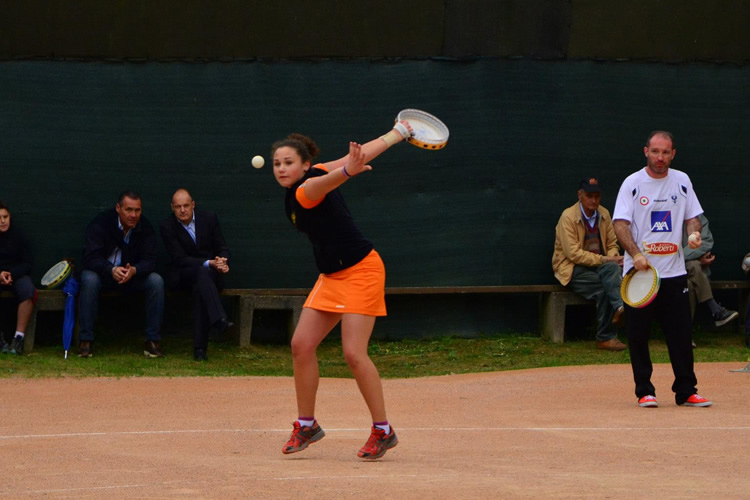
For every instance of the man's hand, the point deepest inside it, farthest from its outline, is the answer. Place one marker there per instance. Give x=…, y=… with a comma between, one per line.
x=614, y=258
x=707, y=259
x=123, y=274
x=694, y=240
x=220, y=264
x=640, y=262
x=6, y=278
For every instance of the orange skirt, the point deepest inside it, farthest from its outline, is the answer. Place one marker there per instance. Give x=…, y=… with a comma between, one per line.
x=359, y=289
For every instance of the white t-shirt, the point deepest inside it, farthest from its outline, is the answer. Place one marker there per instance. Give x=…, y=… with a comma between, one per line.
x=656, y=210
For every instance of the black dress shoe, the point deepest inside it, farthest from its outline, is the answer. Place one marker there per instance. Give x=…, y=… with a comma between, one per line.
x=200, y=355
x=85, y=350
x=223, y=325
x=152, y=349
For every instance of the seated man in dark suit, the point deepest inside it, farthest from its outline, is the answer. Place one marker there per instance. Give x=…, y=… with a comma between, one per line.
x=120, y=254
x=199, y=258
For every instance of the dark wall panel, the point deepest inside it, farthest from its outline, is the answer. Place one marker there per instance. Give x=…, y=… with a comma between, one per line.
x=688, y=30
x=530, y=28
x=661, y=30
x=480, y=212
x=218, y=29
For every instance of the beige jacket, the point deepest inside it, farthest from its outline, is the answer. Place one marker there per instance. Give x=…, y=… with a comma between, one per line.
x=569, y=237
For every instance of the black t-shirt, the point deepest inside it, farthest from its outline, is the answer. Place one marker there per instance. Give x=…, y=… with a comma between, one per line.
x=336, y=240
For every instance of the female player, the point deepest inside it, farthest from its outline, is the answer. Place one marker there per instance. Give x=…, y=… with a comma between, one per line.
x=15, y=268
x=350, y=288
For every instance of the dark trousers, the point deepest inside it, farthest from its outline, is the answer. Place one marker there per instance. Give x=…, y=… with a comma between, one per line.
x=204, y=284
x=671, y=308
x=22, y=287
x=92, y=284
x=601, y=284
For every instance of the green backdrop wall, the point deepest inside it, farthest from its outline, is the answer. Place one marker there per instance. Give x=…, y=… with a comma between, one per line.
x=97, y=97
x=480, y=212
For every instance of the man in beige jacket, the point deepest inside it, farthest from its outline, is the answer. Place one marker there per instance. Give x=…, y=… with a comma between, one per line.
x=587, y=260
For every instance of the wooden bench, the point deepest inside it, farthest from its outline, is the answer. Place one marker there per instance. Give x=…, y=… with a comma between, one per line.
x=247, y=300
x=553, y=302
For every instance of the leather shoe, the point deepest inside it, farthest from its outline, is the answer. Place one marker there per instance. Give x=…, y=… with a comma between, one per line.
x=200, y=355
x=223, y=325
x=152, y=349
x=84, y=349
x=612, y=344
x=617, y=317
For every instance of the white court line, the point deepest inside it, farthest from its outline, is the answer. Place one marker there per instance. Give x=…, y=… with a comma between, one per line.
x=360, y=476
x=186, y=483
x=400, y=429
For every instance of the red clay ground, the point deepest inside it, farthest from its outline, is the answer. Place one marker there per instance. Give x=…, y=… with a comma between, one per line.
x=571, y=432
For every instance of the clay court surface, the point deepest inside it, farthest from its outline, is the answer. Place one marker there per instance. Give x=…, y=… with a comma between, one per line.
x=572, y=432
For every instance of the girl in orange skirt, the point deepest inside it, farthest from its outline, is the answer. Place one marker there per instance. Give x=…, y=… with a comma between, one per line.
x=351, y=286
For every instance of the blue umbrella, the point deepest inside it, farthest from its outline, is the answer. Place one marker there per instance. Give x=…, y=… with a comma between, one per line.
x=70, y=288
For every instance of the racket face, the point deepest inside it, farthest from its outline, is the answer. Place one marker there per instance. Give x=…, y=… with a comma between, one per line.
x=639, y=288
x=429, y=131
x=56, y=275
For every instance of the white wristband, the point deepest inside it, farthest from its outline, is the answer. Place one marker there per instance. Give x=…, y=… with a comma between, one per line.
x=402, y=129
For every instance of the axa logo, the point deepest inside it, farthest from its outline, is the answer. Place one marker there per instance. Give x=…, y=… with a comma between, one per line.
x=661, y=221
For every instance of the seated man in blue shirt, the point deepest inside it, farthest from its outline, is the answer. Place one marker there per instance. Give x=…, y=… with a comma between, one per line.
x=199, y=259
x=120, y=254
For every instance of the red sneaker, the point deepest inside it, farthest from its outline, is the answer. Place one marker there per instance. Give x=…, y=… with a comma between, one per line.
x=695, y=400
x=378, y=444
x=302, y=437
x=648, y=402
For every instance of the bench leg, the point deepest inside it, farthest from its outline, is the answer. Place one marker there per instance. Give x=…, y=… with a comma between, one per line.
x=552, y=316
x=30, y=333
x=244, y=322
x=296, y=307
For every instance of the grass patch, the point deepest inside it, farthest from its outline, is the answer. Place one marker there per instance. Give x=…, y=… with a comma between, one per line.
x=394, y=359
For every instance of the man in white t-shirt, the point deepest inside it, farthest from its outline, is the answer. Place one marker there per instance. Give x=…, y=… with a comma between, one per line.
x=651, y=208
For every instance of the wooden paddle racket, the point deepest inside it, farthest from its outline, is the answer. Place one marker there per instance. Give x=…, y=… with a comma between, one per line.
x=57, y=274
x=428, y=132
x=639, y=288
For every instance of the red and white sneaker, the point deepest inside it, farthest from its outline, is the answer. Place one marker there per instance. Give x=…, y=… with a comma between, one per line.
x=696, y=400
x=378, y=444
x=302, y=437
x=648, y=402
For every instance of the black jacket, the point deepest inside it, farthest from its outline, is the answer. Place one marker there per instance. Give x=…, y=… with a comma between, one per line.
x=183, y=252
x=15, y=254
x=102, y=237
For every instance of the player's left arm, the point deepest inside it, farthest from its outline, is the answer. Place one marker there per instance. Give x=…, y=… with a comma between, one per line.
x=693, y=226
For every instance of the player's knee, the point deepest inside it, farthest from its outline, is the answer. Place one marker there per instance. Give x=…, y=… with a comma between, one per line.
x=354, y=359
x=302, y=348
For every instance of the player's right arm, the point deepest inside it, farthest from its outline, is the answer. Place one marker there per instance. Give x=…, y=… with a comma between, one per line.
x=622, y=230
x=356, y=162
x=376, y=147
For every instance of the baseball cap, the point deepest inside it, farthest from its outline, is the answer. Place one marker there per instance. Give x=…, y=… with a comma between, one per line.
x=590, y=185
